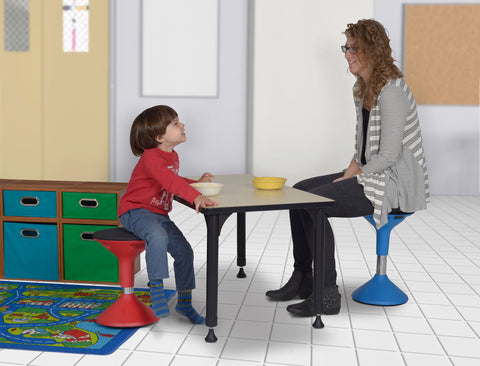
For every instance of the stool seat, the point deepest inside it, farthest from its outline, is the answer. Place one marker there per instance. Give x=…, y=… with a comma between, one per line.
x=116, y=234
x=380, y=290
x=128, y=310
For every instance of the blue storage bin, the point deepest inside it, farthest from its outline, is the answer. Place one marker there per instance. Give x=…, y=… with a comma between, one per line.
x=30, y=251
x=30, y=203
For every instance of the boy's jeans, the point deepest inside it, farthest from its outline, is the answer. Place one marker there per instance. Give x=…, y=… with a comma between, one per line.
x=161, y=235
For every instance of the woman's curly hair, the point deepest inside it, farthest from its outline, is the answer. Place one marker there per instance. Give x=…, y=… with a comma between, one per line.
x=371, y=41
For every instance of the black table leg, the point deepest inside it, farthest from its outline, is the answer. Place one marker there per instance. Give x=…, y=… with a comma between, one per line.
x=214, y=226
x=241, y=246
x=318, y=266
x=213, y=230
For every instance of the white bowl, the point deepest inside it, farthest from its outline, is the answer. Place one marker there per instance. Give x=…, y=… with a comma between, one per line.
x=207, y=188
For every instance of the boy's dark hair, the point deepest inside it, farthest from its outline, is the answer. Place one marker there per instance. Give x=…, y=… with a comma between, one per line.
x=149, y=125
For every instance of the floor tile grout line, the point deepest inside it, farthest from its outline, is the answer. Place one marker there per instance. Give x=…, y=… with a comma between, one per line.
x=136, y=346
x=357, y=241
x=453, y=269
x=473, y=211
x=388, y=318
x=247, y=236
x=420, y=308
x=255, y=270
x=448, y=240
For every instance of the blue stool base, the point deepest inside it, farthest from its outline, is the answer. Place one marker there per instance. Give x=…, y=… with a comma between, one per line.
x=379, y=291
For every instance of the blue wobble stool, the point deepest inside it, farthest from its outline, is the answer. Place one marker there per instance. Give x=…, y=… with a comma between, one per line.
x=380, y=290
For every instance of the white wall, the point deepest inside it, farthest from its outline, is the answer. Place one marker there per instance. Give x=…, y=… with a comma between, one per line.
x=215, y=127
x=302, y=116
x=450, y=132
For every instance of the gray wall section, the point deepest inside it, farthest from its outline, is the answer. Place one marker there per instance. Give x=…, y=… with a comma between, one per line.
x=215, y=127
x=451, y=142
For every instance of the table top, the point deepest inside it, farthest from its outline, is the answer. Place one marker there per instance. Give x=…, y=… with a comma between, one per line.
x=239, y=195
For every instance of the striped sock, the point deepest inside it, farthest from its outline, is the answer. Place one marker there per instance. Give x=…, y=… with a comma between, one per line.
x=184, y=307
x=159, y=301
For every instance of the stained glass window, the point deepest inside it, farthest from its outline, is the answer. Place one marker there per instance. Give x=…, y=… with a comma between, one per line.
x=75, y=25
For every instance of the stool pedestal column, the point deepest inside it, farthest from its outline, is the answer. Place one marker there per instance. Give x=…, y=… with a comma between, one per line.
x=380, y=290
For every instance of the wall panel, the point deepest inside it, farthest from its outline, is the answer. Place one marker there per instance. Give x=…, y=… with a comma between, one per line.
x=21, y=79
x=180, y=48
x=76, y=92
x=303, y=116
x=54, y=104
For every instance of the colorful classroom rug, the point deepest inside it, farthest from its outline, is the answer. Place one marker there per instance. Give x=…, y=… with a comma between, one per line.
x=60, y=318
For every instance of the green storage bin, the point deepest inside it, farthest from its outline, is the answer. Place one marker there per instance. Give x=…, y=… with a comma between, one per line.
x=85, y=259
x=84, y=205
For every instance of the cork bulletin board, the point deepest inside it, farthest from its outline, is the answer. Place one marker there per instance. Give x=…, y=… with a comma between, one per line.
x=442, y=53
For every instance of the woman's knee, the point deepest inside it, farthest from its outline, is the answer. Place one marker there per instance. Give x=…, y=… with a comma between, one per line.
x=303, y=185
x=316, y=182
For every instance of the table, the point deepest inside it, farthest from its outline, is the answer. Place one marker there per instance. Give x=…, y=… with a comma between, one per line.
x=239, y=196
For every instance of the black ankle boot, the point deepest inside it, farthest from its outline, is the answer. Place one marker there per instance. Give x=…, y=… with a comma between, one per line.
x=331, y=304
x=290, y=289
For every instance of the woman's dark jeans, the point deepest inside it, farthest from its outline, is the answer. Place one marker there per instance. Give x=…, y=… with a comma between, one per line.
x=350, y=201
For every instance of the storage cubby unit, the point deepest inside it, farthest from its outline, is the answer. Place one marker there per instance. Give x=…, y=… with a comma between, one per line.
x=46, y=230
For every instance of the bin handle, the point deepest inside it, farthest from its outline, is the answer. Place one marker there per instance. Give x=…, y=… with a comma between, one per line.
x=87, y=235
x=30, y=233
x=29, y=201
x=88, y=202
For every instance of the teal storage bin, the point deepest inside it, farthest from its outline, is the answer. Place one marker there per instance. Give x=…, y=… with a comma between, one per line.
x=30, y=251
x=30, y=203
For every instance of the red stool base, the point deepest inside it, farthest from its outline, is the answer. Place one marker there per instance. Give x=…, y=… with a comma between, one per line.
x=126, y=312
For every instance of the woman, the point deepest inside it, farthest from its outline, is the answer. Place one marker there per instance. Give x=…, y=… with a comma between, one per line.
x=388, y=169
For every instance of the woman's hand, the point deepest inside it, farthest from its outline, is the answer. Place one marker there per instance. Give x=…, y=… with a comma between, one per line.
x=206, y=177
x=202, y=201
x=352, y=170
x=339, y=179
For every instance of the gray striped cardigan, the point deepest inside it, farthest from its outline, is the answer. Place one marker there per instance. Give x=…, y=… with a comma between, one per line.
x=395, y=174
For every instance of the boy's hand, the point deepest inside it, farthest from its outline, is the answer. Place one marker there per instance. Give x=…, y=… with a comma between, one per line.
x=206, y=177
x=202, y=201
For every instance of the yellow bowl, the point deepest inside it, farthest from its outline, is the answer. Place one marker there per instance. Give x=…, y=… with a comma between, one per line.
x=269, y=182
x=207, y=188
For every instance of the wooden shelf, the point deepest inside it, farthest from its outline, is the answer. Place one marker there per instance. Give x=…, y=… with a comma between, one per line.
x=59, y=188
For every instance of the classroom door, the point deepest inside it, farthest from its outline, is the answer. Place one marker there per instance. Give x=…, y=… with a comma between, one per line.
x=54, y=89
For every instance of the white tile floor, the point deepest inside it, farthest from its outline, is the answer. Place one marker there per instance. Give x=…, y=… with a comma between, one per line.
x=434, y=258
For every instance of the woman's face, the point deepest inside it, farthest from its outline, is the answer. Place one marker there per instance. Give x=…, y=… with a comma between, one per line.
x=357, y=62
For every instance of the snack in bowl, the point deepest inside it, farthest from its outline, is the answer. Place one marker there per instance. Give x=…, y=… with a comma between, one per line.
x=207, y=188
x=269, y=182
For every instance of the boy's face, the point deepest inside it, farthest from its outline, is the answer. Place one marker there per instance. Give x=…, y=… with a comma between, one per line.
x=174, y=135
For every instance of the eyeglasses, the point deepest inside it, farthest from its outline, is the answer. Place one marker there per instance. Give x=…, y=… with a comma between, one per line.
x=352, y=50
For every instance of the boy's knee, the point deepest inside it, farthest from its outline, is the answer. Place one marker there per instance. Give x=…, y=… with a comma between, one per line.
x=188, y=252
x=156, y=239
x=182, y=251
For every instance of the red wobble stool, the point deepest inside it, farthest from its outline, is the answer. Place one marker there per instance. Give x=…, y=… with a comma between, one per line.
x=127, y=311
